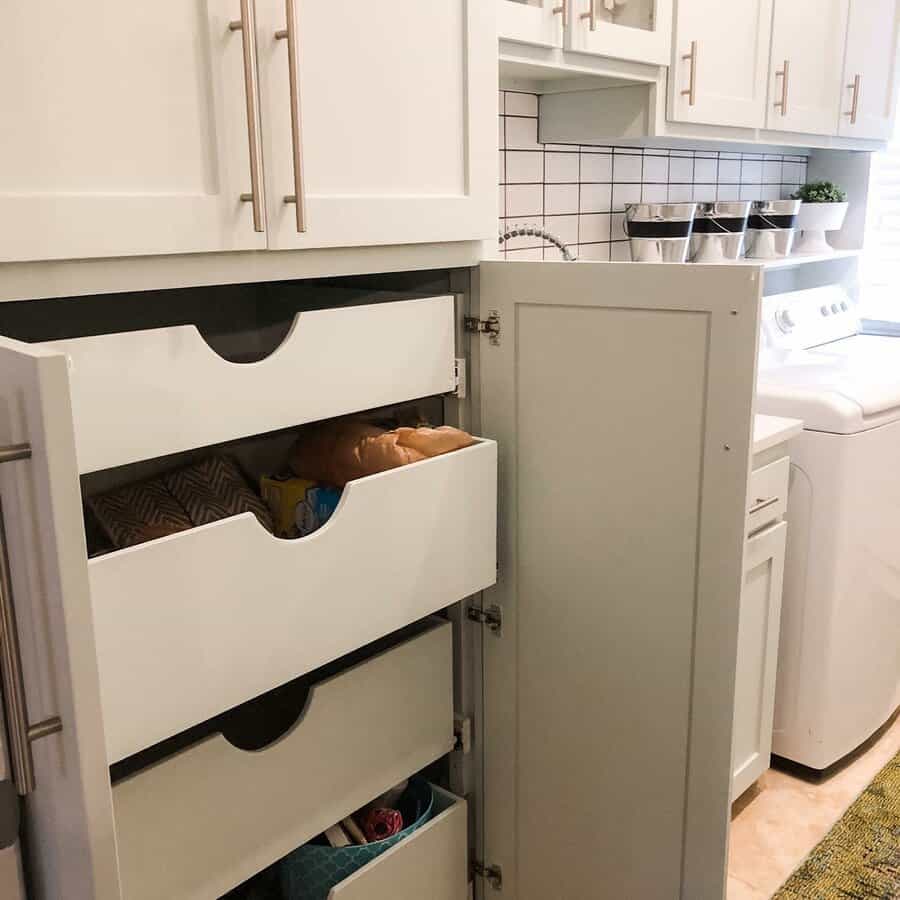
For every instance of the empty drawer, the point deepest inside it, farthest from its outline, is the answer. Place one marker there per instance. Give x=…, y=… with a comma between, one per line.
x=205, y=820
x=198, y=622
x=767, y=494
x=144, y=394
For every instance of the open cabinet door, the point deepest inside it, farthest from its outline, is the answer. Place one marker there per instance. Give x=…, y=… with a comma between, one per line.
x=621, y=399
x=68, y=830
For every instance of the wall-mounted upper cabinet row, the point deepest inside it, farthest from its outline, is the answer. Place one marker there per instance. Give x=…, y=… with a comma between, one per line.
x=176, y=127
x=634, y=30
x=823, y=67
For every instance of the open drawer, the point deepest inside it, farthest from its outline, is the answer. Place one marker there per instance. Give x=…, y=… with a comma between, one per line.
x=145, y=394
x=198, y=622
x=203, y=821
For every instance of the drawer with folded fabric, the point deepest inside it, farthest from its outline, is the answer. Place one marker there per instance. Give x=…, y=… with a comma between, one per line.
x=192, y=624
x=144, y=394
x=203, y=820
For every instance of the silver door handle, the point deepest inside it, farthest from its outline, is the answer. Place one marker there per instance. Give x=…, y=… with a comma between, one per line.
x=290, y=35
x=784, y=74
x=854, y=109
x=247, y=27
x=760, y=505
x=563, y=10
x=591, y=14
x=21, y=734
x=691, y=92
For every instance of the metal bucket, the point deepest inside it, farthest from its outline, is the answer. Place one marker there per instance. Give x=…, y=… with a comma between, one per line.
x=659, y=232
x=718, y=233
x=771, y=228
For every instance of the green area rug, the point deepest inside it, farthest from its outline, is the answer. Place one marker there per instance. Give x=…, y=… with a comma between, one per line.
x=859, y=859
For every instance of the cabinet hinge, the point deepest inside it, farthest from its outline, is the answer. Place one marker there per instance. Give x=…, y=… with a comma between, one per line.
x=492, y=874
x=460, y=378
x=492, y=617
x=489, y=326
x=462, y=733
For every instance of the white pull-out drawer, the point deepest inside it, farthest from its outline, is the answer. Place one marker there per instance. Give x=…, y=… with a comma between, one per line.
x=201, y=822
x=144, y=394
x=767, y=494
x=193, y=624
x=431, y=863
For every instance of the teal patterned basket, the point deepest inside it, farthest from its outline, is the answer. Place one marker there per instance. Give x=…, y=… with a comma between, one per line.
x=312, y=870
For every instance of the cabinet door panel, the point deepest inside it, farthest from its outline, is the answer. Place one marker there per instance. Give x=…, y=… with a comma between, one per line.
x=729, y=76
x=808, y=35
x=608, y=707
x=393, y=117
x=639, y=30
x=870, y=57
x=124, y=130
x=536, y=22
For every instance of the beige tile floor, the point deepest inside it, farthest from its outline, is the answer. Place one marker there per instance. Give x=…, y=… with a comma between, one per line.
x=777, y=822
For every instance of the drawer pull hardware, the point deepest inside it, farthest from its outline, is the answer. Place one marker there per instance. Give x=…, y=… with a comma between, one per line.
x=691, y=91
x=854, y=109
x=289, y=34
x=492, y=617
x=591, y=14
x=784, y=74
x=563, y=10
x=21, y=734
x=247, y=27
x=492, y=874
x=489, y=326
x=762, y=504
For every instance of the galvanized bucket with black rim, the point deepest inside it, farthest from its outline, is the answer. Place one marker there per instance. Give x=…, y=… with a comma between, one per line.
x=718, y=232
x=771, y=228
x=659, y=232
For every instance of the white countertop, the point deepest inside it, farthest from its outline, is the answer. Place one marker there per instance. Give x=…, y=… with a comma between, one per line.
x=770, y=431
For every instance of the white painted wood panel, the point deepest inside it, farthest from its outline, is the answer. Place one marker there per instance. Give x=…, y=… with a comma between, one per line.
x=131, y=134
x=810, y=35
x=236, y=612
x=397, y=106
x=534, y=22
x=432, y=862
x=69, y=822
x=760, y=621
x=621, y=399
x=639, y=31
x=731, y=76
x=204, y=820
x=872, y=56
x=144, y=394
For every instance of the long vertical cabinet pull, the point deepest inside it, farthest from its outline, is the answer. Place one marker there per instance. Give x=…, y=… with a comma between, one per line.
x=21, y=734
x=854, y=109
x=591, y=14
x=784, y=74
x=290, y=35
x=247, y=27
x=691, y=92
x=562, y=10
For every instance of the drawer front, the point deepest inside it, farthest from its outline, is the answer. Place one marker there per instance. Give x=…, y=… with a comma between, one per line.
x=767, y=494
x=432, y=862
x=198, y=622
x=201, y=822
x=144, y=394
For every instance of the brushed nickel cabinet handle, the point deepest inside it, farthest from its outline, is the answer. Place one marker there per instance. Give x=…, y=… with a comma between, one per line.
x=761, y=504
x=785, y=75
x=591, y=14
x=21, y=733
x=563, y=10
x=290, y=35
x=691, y=92
x=247, y=27
x=854, y=109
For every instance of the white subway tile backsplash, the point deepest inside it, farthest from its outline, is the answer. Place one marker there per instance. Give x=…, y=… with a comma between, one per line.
x=681, y=171
x=654, y=193
x=521, y=134
x=596, y=167
x=705, y=170
x=771, y=172
x=627, y=168
x=594, y=252
x=704, y=193
x=625, y=193
x=681, y=193
x=519, y=255
x=524, y=167
x=593, y=227
x=729, y=171
x=501, y=133
x=793, y=173
x=620, y=251
x=751, y=171
x=563, y=227
x=561, y=167
x=596, y=198
x=656, y=170
x=525, y=200
x=728, y=192
x=518, y=104
x=560, y=199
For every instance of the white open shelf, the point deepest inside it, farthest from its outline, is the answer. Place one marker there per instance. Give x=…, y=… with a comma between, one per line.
x=791, y=262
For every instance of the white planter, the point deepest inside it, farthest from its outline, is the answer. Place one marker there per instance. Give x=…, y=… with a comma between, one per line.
x=814, y=219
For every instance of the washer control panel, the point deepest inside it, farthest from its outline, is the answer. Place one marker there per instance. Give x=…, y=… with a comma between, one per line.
x=802, y=319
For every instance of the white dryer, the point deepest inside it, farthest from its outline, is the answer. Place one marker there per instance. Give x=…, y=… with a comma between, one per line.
x=839, y=656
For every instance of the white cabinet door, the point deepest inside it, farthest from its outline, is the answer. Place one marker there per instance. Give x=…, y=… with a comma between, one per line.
x=68, y=816
x=806, y=65
x=393, y=115
x=869, y=95
x=713, y=80
x=754, y=691
x=538, y=22
x=638, y=30
x=621, y=398
x=124, y=130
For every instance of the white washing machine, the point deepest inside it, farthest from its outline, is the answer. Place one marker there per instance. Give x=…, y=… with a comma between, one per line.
x=839, y=657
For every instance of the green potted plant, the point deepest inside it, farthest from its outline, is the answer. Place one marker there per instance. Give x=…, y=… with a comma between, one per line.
x=823, y=209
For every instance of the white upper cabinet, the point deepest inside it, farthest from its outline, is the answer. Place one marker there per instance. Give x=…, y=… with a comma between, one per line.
x=538, y=22
x=806, y=65
x=636, y=30
x=124, y=130
x=715, y=80
x=384, y=132
x=868, y=99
